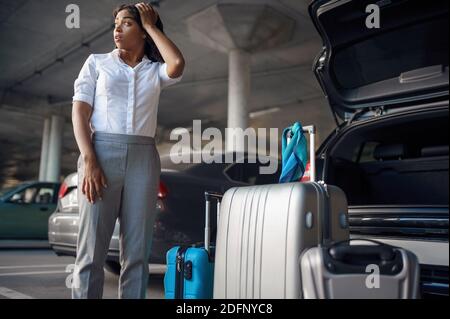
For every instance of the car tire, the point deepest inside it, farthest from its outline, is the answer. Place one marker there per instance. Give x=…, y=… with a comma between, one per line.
x=113, y=267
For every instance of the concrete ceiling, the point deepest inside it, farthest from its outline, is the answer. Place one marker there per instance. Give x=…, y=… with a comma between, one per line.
x=34, y=37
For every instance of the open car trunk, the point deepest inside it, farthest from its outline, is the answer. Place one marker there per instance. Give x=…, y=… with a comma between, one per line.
x=399, y=161
x=395, y=174
x=389, y=85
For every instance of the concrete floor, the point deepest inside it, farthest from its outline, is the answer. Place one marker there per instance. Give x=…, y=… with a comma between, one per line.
x=38, y=273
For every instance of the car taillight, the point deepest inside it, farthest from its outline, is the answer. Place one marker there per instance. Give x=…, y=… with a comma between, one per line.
x=63, y=190
x=307, y=176
x=162, y=191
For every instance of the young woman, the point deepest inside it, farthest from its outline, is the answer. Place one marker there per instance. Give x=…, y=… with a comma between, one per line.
x=114, y=118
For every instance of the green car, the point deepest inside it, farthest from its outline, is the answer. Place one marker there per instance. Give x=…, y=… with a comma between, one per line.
x=24, y=210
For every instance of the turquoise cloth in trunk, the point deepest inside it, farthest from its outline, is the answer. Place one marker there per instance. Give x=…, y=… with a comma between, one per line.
x=294, y=154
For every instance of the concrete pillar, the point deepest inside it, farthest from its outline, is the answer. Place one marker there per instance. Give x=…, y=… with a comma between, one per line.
x=239, y=30
x=44, y=150
x=238, y=95
x=54, y=150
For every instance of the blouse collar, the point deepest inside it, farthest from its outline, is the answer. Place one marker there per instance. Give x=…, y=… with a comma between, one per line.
x=115, y=52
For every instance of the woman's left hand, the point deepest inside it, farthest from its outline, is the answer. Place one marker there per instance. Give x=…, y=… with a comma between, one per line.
x=148, y=14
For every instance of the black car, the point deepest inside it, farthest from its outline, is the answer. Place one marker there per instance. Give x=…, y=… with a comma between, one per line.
x=181, y=206
x=388, y=90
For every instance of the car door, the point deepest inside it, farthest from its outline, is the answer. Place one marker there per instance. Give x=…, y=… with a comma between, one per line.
x=43, y=206
x=24, y=215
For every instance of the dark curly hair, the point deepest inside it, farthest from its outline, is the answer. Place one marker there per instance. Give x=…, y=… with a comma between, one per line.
x=150, y=49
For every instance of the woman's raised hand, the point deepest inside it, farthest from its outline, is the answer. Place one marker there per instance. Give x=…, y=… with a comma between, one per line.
x=148, y=14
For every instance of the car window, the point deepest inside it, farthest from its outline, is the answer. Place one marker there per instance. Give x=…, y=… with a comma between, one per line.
x=44, y=195
x=249, y=173
x=202, y=169
x=236, y=172
x=367, y=153
x=26, y=196
x=167, y=163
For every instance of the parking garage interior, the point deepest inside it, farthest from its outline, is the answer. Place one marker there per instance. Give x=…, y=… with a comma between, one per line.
x=249, y=64
x=41, y=58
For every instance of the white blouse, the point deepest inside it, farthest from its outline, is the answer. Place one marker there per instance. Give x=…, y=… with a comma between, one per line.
x=124, y=99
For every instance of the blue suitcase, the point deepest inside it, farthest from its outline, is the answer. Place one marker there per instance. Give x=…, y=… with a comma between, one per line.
x=190, y=270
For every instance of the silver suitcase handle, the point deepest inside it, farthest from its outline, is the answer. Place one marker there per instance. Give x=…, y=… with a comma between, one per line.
x=208, y=197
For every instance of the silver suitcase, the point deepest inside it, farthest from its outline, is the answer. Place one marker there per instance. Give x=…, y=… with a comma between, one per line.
x=360, y=272
x=263, y=230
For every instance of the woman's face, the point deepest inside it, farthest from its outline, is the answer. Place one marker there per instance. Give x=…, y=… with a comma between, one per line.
x=127, y=33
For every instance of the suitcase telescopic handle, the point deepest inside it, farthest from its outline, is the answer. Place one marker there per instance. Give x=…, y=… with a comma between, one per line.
x=311, y=131
x=208, y=197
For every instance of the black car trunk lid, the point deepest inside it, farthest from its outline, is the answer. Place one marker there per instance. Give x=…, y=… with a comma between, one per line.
x=371, y=70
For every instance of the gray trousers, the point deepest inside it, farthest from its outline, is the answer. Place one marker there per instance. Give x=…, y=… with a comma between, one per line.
x=132, y=168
